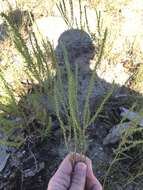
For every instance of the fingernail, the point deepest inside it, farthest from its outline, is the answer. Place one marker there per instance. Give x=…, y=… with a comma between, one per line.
x=80, y=166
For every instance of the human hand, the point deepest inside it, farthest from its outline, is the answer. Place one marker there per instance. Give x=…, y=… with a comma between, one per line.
x=79, y=177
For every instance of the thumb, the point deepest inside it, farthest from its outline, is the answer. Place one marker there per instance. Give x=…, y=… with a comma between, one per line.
x=79, y=177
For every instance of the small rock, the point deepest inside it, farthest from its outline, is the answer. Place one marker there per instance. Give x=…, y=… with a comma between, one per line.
x=132, y=116
x=4, y=156
x=115, y=133
x=3, y=31
x=30, y=172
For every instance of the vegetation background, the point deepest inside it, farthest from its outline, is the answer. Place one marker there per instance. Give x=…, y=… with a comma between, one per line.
x=30, y=73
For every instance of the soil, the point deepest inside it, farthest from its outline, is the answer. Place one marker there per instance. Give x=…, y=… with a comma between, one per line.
x=32, y=165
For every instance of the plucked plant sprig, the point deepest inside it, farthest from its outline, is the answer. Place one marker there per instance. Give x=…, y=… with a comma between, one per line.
x=76, y=123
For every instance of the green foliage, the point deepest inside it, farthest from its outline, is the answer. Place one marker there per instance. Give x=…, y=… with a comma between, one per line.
x=37, y=65
x=9, y=108
x=40, y=74
x=8, y=90
x=130, y=147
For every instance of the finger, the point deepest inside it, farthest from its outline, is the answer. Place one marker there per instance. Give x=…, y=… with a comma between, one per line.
x=96, y=187
x=62, y=177
x=65, y=167
x=92, y=182
x=79, y=177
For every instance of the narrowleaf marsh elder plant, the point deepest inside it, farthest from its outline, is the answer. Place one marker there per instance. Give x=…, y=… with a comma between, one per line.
x=39, y=74
x=8, y=110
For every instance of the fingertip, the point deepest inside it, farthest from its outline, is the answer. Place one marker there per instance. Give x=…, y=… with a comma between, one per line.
x=90, y=173
x=97, y=186
x=79, y=176
x=65, y=167
x=80, y=166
